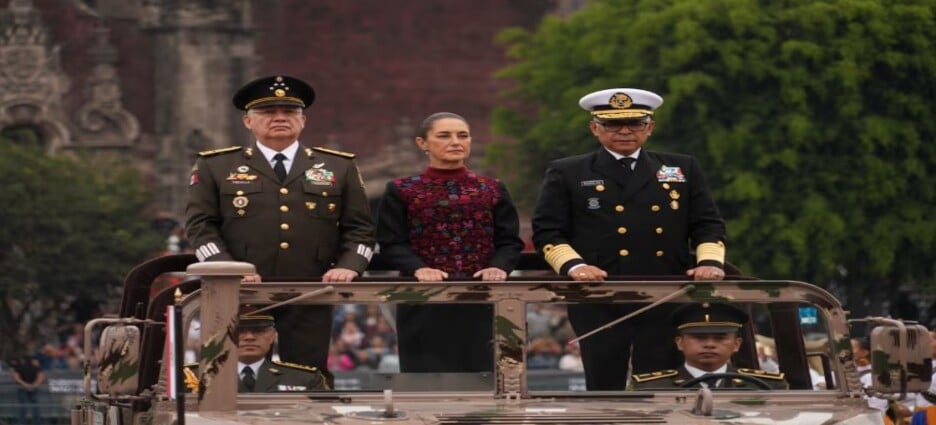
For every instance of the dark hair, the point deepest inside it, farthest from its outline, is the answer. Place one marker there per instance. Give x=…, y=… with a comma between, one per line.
x=431, y=119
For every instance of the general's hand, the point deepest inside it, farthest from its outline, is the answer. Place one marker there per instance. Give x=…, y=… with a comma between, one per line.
x=251, y=278
x=339, y=274
x=706, y=273
x=588, y=273
x=491, y=273
x=429, y=274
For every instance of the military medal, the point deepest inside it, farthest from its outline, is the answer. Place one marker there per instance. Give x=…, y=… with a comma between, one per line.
x=593, y=203
x=240, y=202
x=310, y=205
x=674, y=195
x=319, y=176
x=243, y=169
x=670, y=174
x=240, y=178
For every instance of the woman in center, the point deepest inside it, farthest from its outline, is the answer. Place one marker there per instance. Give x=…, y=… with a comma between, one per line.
x=448, y=223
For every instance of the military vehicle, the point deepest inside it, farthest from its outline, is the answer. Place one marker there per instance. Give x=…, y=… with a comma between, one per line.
x=136, y=380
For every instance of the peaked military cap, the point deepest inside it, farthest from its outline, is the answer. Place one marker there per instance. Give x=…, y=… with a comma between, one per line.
x=708, y=318
x=274, y=90
x=250, y=320
x=618, y=104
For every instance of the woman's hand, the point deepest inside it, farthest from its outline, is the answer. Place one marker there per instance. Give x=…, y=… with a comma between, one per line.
x=491, y=273
x=429, y=274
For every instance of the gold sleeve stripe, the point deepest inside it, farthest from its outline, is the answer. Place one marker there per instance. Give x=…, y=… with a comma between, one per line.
x=711, y=251
x=557, y=255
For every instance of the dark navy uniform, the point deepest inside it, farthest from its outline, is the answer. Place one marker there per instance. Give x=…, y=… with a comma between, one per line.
x=645, y=222
x=316, y=219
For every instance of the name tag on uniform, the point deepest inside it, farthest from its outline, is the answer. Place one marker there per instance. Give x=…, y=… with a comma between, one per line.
x=589, y=183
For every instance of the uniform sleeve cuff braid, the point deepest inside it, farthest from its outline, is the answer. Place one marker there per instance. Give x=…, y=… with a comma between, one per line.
x=711, y=251
x=558, y=255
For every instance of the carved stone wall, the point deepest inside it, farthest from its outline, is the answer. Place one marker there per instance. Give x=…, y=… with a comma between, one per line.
x=152, y=79
x=32, y=82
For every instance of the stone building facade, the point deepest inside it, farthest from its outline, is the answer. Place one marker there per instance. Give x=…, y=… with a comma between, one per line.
x=151, y=80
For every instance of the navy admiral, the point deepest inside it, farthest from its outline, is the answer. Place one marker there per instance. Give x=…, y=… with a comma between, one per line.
x=708, y=335
x=291, y=210
x=626, y=211
x=257, y=373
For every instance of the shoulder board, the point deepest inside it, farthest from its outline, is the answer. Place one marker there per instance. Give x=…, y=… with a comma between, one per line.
x=334, y=152
x=757, y=373
x=222, y=150
x=652, y=376
x=296, y=366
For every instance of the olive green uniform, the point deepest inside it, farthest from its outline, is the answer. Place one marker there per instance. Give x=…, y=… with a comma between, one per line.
x=316, y=219
x=273, y=377
x=674, y=379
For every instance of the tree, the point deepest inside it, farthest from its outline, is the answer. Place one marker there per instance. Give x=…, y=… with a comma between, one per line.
x=72, y=228
x=813, y=119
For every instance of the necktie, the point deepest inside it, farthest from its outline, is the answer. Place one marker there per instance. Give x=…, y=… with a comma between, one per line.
x=628, y=164
x=249, y=380
x=280, y=168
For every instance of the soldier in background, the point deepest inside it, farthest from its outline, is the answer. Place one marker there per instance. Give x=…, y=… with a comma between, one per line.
x=707, y=336
x=290, y=210
x=256, y=372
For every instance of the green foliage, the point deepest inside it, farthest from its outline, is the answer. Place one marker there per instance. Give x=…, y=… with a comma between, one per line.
x=72, y=227
x=812, y=118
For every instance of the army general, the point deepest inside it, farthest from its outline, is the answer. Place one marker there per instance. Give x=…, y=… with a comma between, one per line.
x=291, y=210
x=626, y=211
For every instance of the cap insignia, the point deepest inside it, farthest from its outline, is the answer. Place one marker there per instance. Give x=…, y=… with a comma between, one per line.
x=620, y=101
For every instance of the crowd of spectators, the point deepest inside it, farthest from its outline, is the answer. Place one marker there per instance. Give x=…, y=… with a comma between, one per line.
x=363, y=338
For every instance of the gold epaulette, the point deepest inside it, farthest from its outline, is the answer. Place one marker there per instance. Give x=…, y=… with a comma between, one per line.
x=296, y=366
x=334, y=152
x=653, y=376
x=757, y=373
x=222, y=150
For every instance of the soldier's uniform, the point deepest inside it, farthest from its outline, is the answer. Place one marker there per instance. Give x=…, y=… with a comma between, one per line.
x=674, y=378
x=316, y=219
x=271, y=376
x=707, y=318
x=639, y=223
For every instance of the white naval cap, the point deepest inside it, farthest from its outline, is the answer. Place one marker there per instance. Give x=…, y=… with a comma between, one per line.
x=615, y=104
